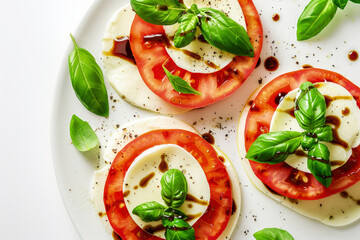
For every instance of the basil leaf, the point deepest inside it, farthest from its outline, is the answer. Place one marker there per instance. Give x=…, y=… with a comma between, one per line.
x=315, y=17
x=273, y=234
x=324, y=133
x=274, y=147
x=341, y=3
x=186, y=31
x=149, y=211
x=82, y=135
x=173, y=188
x=170, y=214
x=224, y=33
x=319, y=165
x=88, y=81
x=308, y=141
x=179, y=230
x=310, y=107
x=355, y=1
x=179, y=84
x=158, y=12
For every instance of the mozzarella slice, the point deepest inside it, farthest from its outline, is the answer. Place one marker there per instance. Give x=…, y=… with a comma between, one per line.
x=123, y=75
x=211, y=58
x=142, y=182
x=337, y=210
x=130, y=131
x=342, y=107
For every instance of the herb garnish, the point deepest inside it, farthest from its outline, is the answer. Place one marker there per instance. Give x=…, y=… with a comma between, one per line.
x=218, y=29
x=275, y=147
x=173, y=191
x=317, y=15
x=82, y=135
x=88, y=81
x=273, y=234
x=179, y=84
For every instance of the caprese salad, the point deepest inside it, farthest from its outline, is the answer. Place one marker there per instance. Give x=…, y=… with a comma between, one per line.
x=299, y=139
x=173, y=56
x=160, y=178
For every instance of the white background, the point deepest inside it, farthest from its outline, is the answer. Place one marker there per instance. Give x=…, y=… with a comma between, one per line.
x=34, y=38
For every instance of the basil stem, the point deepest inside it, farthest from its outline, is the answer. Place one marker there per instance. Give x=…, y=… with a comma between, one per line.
x=88, y=81
x=173, y=188
x=341, y=3
x=171, y=213
x=224, y=33
x=159, y=12
x=82, y=135
x=149, y=211
x=310, y=107
x=315, y=17
x=274, y=147
x=179, y=84
x=273, y=234
x=319, y=164
x=186, y=31
x=179, y=230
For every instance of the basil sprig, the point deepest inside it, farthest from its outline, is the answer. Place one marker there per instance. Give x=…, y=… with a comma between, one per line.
x=88, y=81
x=317, y=15
x=275, y=147
x=273, y=234
x=82, y=135
x=173, y=191
x=218, y=29
x=179, y=84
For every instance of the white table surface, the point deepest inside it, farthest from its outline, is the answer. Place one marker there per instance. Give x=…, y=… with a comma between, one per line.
x=34, y=37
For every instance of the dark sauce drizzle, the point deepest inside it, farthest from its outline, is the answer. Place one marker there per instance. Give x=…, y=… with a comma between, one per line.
x=153, y=229
x=353, y=55
x=345, y=111
x=271, y=64
x=116, y=236
x=345, y=194
x=234, y=207
x=276, y=17
x=209, y=138
x=144, y=182
x=280, y=97
x=163, y=166
x=191, y=198
x=121, y=48
x=335, y=121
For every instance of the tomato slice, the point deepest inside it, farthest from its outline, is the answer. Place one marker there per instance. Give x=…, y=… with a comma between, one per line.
x=282, y=178
x=214, y=220
x=151, y=55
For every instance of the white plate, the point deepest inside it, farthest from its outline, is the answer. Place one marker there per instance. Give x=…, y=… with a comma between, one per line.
x=74, y=170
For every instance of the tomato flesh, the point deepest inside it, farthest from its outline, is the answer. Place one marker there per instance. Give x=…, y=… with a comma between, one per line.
x=282, y=178
x=151, y=55
x=210, y=225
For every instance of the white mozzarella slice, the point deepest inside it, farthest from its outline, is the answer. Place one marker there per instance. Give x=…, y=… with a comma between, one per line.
x=147, y=165
x=337, y=210
x=343, y=107
x=130, y=131
x=205, y=51
x=123, y=75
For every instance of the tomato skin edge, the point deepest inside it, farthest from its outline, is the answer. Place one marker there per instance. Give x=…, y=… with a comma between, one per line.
x=285, y=181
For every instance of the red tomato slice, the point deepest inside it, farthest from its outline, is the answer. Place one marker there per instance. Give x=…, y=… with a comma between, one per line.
x=214, y=220
x=282, y=178
x=151, y=55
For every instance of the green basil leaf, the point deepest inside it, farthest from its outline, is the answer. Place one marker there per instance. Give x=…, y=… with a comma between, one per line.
x=315, y=17
x=173, y=188
x=308, y=141
x=341, y=3
x=224, y=33
x=186, y=31
x=158, y=12
x=179, y=230
x=88, y=81
x=179, y=84
x=274, y=147
x=170, y=214
x=273, y=234
x=319, y=164
x=324, y=133
x=149, y=211
x=310, y=107
x=355, y=1
x=82, y=135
